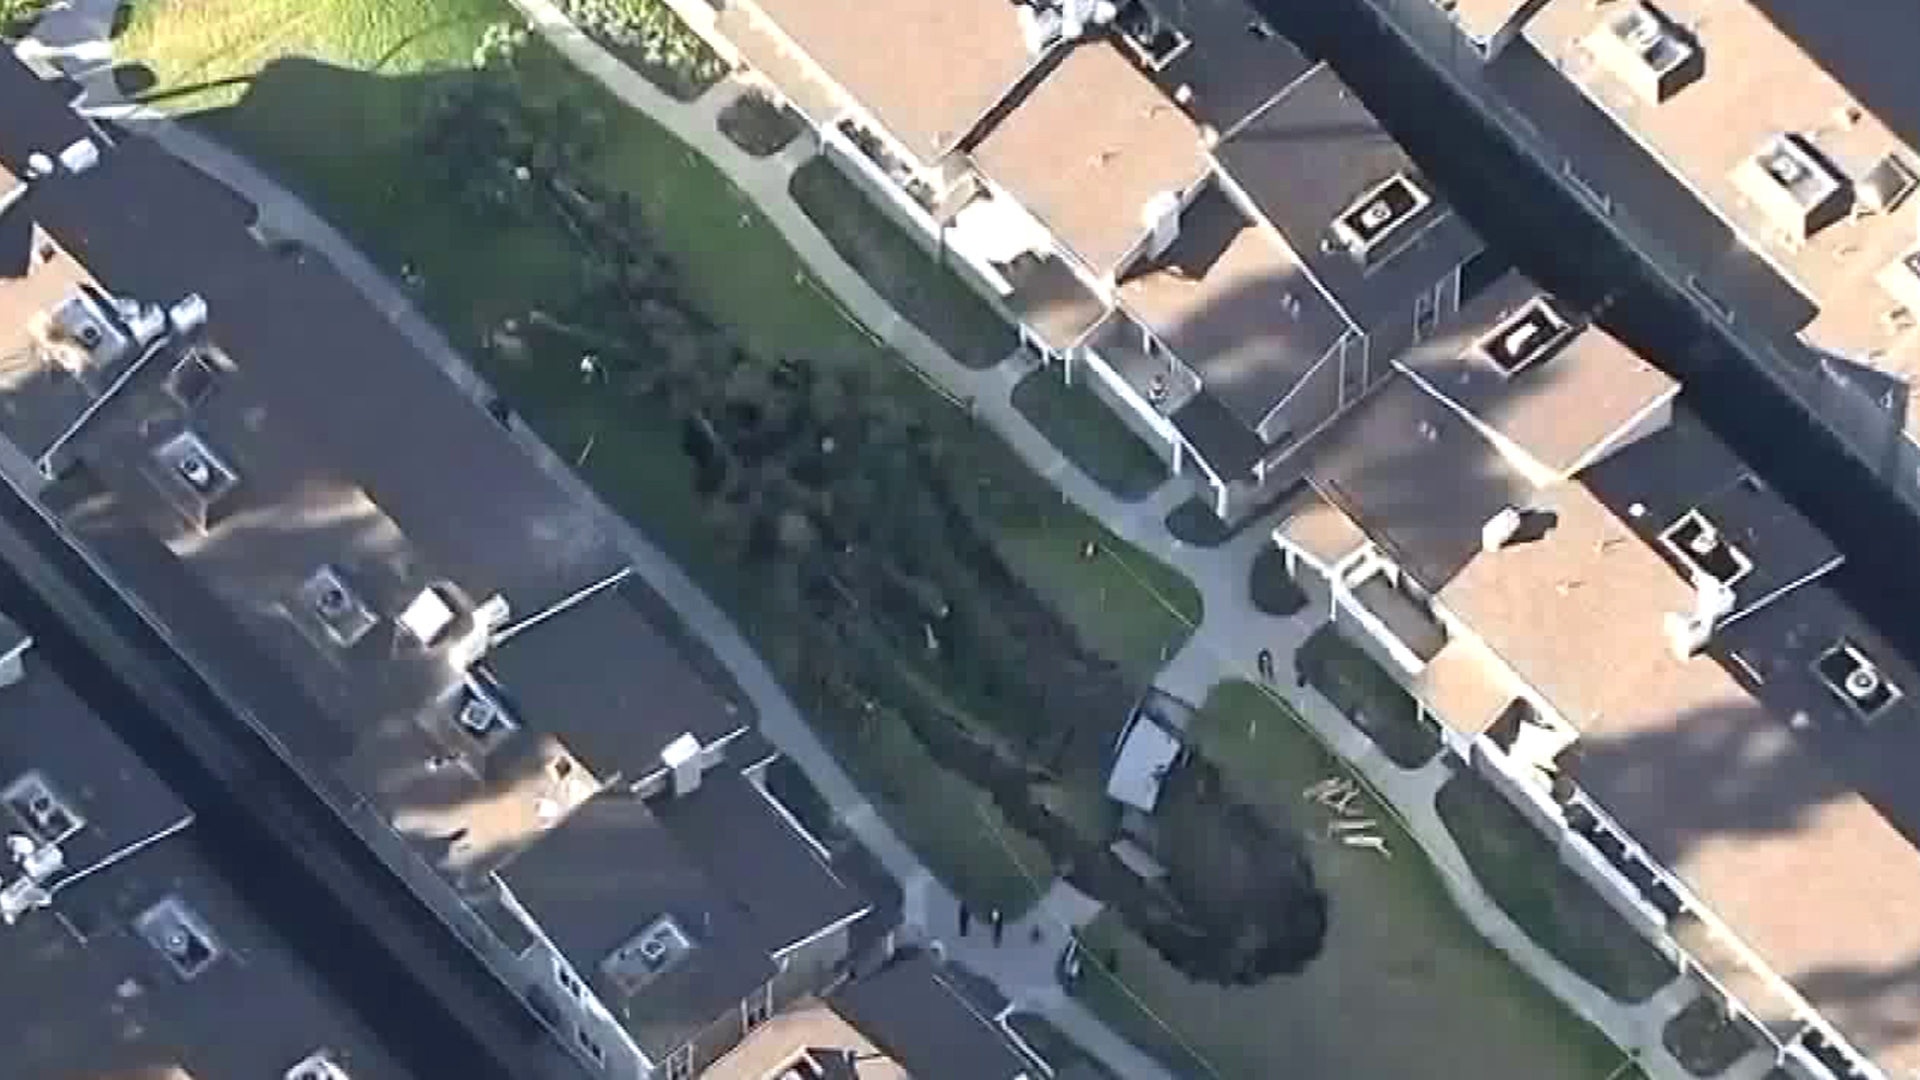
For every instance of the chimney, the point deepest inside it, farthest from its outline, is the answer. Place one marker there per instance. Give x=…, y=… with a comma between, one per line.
x=683, y=756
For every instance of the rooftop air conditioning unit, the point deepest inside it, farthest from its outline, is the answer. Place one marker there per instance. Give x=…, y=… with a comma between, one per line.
x=83, y=323
x=331, y=601
x=1525, y=337
x=1852, y=677
x=196, y=473
x=1795, y=188
x=1369, y=228
x=1642, y=49
x=188, y=315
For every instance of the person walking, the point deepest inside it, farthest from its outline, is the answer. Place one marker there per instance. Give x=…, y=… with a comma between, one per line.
x=999, y=926
x=966, y=918
x=1264, y=661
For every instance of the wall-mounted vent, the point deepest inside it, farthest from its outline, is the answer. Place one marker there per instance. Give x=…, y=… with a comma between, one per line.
x=1700, y=547
x=195, y=476
x=646, y=956
x=333, y=605
x=1901, y=279
x=41, y=810
x=319, y=1065
x=1852, y=676
x=1373, y=227
x=179, y=935
x=1639, y=47
x=1524, y=338
x=1797, y=190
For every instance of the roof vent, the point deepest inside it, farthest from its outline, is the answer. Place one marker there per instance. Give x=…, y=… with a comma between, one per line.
x=318, y=1065
x=428, y=616
x=1850, y=675
x=1524, y=338
x=1642, y=49
x=1370, y=226
x=1701, y=548
x=330, y=601
x=195, y=475
x=646, y=956
x=1797, y=190
x=41, y=810
x=178, y=934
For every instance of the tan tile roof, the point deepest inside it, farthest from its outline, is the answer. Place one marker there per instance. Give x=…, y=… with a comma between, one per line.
x=1088, y=147
x=926, y=69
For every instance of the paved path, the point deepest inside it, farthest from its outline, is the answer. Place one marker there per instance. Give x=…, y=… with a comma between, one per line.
x=1221, y=648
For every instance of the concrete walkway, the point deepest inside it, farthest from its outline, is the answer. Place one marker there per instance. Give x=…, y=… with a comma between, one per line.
x=1221, y=648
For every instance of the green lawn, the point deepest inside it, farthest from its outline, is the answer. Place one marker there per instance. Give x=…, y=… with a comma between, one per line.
x=1128, y=606
x=1523, y=873
x=1403, y=988
x=330, y=95
x=944, y=307
x=1090, y=435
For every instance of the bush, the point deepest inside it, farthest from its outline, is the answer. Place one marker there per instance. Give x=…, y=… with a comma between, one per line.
x=758, y=124
x=18, y=16
x=1194, y=522
x=1273, y=589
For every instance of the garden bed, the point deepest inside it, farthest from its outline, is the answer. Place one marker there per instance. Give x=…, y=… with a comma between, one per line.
x=1705, y=1039
x=929, y=295
x=1085, y=430
x=758, y=124
x=651, y=38
x=1521, y=870
x=1363, y=691
x=1271, y=586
